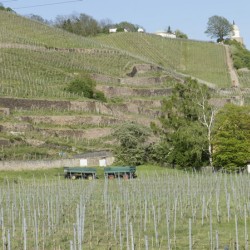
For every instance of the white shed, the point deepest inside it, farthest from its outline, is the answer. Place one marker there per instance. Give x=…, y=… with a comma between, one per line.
x=248, y=167
x=140, y=30
x=113, y=30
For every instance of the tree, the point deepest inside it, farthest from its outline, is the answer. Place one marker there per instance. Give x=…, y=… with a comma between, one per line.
x=186, y=125
x=128, y=26
x=5, y=9
x=131, y=148
x=38, y=18
x=218, y=27
x=169, y=30
x=231, y=139
x=105, y=25
x=82, y=24
x=180, y=34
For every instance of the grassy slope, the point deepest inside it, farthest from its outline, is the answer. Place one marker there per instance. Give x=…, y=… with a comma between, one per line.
x=199, y=59
x=117, y=51
x=30, y=67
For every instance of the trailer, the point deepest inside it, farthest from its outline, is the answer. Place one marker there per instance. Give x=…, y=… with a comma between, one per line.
x=125, y=172
x=79, y=173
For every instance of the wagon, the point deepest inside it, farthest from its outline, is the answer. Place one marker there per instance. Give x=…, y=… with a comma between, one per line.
x=79, y=172
x=126, y=172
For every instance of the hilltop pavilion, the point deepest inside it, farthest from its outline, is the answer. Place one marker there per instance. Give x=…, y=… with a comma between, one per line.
x=235, y=35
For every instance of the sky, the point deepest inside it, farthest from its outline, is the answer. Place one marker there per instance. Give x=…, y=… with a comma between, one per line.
x=189, y=16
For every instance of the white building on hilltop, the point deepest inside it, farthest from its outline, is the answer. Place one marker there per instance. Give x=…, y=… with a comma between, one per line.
x=235, y=35
x=165, y=34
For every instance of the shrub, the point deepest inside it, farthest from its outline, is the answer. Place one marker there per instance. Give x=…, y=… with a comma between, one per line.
x=241, y=56
x=85, y=87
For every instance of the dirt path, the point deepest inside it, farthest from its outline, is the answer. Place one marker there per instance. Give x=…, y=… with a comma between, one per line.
x=232, y=72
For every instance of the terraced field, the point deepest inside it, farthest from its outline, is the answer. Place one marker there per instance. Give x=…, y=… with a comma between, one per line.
x=135, y=72
x=202, y=60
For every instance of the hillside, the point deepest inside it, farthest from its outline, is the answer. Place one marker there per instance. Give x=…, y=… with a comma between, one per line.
x=202, y=60
x=39, y=118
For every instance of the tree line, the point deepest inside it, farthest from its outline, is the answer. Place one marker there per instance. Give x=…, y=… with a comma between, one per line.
x=85, y=25
x=191, y=133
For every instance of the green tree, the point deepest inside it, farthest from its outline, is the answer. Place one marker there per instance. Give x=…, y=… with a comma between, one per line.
x=218, y=27
x=180, y=34
x=231, y=143
x=128, y=26
x=5, y=8
x=186, y=124
x=85, y=86
x=131, y=148
x=169, y=30
x=82, y=24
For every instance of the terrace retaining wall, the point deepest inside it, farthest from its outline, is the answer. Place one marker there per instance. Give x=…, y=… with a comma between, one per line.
x=48, y=164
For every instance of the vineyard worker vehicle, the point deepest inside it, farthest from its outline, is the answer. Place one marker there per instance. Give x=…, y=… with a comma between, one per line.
x=80, y=173
x=126, y=172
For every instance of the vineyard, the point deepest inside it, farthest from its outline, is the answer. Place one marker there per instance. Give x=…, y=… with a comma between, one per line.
x=134, y=71
x=159, y=210
x=202, y=60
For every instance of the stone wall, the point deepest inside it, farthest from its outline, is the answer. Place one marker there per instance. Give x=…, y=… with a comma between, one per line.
x=48, y=164
x=4, y=111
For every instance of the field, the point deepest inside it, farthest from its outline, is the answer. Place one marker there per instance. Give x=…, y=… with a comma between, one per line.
x=161, y=209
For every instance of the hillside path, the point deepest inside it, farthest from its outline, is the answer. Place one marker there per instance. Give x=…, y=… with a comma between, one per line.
x=232, y=72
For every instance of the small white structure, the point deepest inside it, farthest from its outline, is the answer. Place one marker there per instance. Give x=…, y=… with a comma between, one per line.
x=248, y=167
x=165, y=34
x=113, y=30
x=103, y=162
x=83, y=162
x=140, y=30
x=235, y=34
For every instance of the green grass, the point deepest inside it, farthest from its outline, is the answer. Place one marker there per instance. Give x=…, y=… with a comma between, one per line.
x=30, y=175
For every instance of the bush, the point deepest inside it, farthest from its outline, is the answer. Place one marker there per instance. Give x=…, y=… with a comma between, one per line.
x=98, y=95
x=85, y=87
x=241, y=56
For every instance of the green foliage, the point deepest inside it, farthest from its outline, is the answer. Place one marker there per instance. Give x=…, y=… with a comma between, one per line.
x=5, y=9
x=131, y=146
x=169, y=30
x=85, y=87
x=231, y=143
x=241, y=56
x=85, y=25
x=126, y=25
x=98, y=95
x=183, y=132
x=180, y=34
x=218, y=27
x=82, y=24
